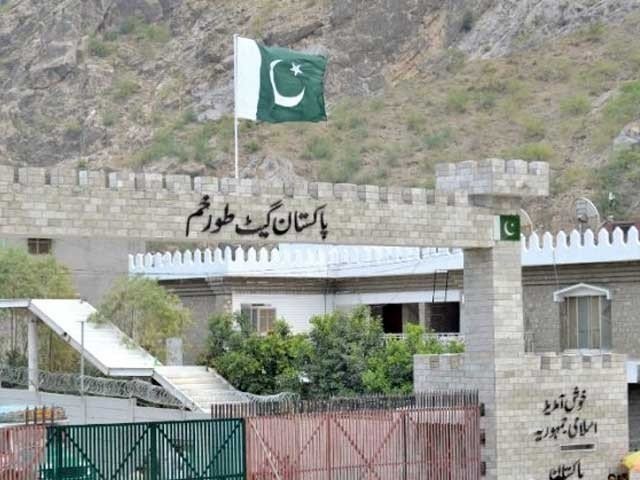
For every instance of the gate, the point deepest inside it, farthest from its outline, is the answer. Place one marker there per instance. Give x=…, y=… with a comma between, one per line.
x=21, y=450
x=438, y=443
x=189, y=450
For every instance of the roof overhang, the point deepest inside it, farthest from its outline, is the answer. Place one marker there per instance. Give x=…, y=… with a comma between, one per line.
x=581, y=290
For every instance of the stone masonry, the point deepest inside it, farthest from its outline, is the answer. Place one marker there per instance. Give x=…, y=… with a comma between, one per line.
x=527, y=448
x=459, y=213
x=37, y=202
x=589, y=441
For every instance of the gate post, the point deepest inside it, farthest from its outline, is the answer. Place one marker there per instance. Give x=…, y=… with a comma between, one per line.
x=492, y=317
x=153, y=451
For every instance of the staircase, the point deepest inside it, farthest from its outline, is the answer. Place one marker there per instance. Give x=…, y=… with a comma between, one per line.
x=116, y=355
x=197, y=387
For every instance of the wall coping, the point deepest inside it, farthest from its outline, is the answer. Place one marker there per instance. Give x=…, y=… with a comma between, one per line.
x=340, y=261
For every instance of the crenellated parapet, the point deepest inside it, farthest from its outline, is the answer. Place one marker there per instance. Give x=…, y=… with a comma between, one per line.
x=54, y=202
x=574, y=361
x=150, y=182
x=495, y=177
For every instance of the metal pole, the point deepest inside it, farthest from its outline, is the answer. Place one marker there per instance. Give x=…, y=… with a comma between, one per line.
x=32, y=356
x=235, y=102
x=82, y=358
x=84, y=400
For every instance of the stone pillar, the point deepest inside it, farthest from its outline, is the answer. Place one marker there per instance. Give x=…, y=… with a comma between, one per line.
x=493, y=332
x=32, y=352
x=422, y=315
x=174, y=351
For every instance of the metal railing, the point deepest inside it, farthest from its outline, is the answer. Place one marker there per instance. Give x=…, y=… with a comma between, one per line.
x=442, y=337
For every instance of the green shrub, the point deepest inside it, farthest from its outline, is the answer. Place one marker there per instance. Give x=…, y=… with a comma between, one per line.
x=252, y=146
x=344, y=168
x=438, y=139
x=72, y=128
x=319, y=148
x=189, y=116
x=149, y=32
x=109, y=118
x=99, y=48
x=575, y=105
x=154, y=33
x=163, y=145
x=124, y=87
x=454, y=60
x=486, y=100
x=376, y=104
x=201, y=149
x=416, y=122
x=592, y=33
x=130, y=25
x=534, y=128
x=457, y=101
x=625, y=106
x=542, y=152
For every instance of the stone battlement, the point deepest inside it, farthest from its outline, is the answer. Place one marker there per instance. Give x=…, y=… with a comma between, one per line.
x=494, y=176
x=158, y=182
x=533, y=361
x=577, y=361
x=445, y=361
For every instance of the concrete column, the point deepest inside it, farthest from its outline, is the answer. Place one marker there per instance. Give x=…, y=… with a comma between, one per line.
x=174, y=351
x=32, y=352
x=422, y=315
x=494, y=336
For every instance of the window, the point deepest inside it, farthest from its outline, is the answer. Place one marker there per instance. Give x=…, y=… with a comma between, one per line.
x=39, y=246
x=585, y=317
x=262, y=316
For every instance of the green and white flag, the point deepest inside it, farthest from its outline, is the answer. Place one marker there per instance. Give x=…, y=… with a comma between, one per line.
x=507, y=227
x=278, y=85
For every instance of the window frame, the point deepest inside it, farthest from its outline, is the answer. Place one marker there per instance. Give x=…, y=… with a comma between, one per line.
x=573, y=301
x=255, y=316
x=39, y=246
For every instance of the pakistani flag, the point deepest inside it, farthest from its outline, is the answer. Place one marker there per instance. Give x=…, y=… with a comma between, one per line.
x=507, y=227
x=278, y=85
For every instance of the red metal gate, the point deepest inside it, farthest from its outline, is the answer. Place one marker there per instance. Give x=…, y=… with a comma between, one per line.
x=21, y=450
x=438, y=443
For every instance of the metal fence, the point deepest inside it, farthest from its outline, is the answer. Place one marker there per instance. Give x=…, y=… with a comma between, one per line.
x=21, y=451
x=433, y=435
x=190, y=450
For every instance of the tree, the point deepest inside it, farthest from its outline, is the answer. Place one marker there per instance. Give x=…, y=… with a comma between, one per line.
x=342, y=342
x=390, y=369
x=255, y=363
x=145, y=311
x=34, y=276
x=344, y=354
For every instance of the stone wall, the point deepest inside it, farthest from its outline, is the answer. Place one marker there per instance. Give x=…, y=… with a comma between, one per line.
x=68, y=203
x=528, y=448
x=542, y=314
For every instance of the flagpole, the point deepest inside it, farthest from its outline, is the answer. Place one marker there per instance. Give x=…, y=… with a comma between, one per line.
x=235, y=102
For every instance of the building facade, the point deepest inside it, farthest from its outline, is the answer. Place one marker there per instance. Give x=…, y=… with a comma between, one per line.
x=581, y=293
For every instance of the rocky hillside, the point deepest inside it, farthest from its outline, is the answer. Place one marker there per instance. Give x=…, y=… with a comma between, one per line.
x=146, y=84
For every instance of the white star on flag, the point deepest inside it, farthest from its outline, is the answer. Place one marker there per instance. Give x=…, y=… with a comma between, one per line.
x=295, y=69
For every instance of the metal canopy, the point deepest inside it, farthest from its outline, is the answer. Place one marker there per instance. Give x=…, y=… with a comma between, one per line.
x=108, y=348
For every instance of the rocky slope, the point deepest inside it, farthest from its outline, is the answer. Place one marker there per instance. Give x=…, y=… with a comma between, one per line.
x=146, y=84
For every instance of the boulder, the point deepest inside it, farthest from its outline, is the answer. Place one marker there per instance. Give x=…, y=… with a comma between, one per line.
x=629, y=137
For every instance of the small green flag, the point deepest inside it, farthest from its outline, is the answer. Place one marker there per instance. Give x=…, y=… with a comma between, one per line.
x=507, y=227
x=278, y=85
